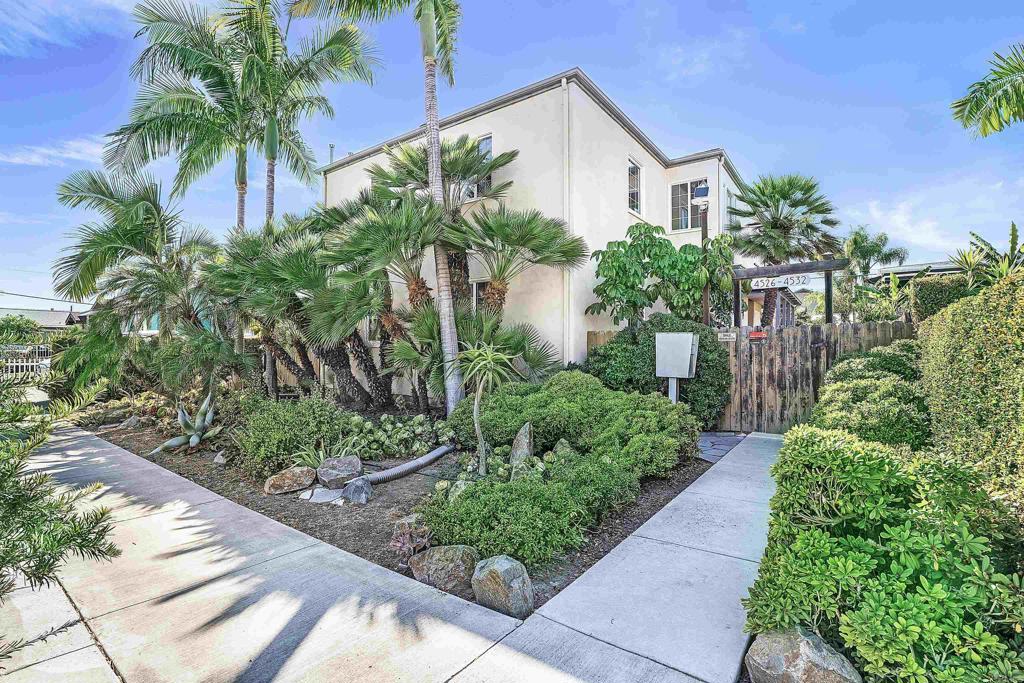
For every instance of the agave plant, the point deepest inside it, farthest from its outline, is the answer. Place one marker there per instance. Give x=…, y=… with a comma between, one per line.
x=197, y=429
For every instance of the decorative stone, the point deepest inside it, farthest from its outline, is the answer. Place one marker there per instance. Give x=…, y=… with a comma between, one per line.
x=131, y=423
x=220, y=459
x=320, y=494
x=356, y=491
x=564, y=449
x=448, y=567
x=502, y=584
x=457, y=489
x=289, y=480
x=334, y=473
x=797, y=656
x=522, y=445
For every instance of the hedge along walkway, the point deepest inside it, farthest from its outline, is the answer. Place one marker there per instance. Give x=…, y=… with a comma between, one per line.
x=207, y=590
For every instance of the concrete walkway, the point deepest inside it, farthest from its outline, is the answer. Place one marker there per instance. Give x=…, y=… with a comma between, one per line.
x=207, y=590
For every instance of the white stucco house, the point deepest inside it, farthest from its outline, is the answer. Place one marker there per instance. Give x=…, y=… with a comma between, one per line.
x=583, y=160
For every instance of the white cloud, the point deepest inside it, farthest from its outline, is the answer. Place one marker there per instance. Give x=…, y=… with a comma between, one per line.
x=25, y=27
x=705, y=56
x=907, y=223
x=85, y=149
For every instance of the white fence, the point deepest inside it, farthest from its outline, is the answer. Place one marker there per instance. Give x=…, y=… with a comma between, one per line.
x=18, y=359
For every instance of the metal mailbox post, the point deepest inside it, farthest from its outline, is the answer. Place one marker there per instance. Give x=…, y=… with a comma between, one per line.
x=675, y=358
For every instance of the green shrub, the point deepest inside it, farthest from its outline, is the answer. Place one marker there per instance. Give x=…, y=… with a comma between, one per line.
x=973, y=375
x=529, y=519
x=890, y=411
x=649, y=455
x=598, y=484
x=933, y=293
x=627, y=363
x=872, y=365
x=273, y=431
x=900, y=562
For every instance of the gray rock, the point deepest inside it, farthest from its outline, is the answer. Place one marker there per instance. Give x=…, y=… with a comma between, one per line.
x=320, y=494
x=356, y=491
x=797, y=656
x=220, y=459
x=457, y=488
x=522, y=445
x=131, y=423
x=562, y=448
x=502, y=584
x=289, y=480
x=334, y=473
x=448, y=567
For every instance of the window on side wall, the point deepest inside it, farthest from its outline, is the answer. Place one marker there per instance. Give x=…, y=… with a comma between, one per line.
x=634, y=187
x=479, y=290
x=689, y=210
x=485, y=147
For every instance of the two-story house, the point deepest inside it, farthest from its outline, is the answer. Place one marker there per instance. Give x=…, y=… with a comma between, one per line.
x=583, y=160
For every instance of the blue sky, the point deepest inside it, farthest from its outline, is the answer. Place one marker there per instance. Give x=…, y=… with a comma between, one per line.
x=855, y=93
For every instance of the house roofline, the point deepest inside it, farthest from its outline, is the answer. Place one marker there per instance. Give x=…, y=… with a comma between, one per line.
x=588, y=86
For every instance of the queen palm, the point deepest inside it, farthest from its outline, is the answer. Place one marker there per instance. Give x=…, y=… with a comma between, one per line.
x=780, y=219
x=288, y=86
x=997, y=100
x=508, y=242
x=438, y=23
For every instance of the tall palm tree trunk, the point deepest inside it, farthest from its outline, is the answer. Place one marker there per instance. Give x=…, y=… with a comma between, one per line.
x=453, y=392
x=374, y=384
x=771, y=296
x=338, y=360
x=241, y=189
x=271, y=174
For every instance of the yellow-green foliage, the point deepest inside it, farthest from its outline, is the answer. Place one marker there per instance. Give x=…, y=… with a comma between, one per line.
x=931, y=294
x=973, y=375
x=889, y=410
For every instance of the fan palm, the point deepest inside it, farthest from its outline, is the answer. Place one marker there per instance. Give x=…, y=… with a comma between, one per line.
x=508, y=242
x=997, y=100
x=288, y=86
x=779, y=219
x=438, y=22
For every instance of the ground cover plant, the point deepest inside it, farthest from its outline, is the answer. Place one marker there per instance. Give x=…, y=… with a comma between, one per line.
x=595, y=444
x=900, y=561
x=627, y=363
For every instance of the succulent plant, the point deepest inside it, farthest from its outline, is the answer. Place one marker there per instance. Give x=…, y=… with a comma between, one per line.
x=196, y=429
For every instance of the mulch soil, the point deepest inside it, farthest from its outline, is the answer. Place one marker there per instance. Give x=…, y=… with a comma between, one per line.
x=366, y=530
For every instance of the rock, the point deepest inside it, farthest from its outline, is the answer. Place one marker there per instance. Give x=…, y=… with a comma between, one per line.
x=112, y=425
x=220, y=459
x=522, y=445
x=448, y=567
x=289, y=480
x=563, y=449
x=334, y=473
x=502, y=584
x=457, y=489
x=131, y=423
x=356, y=491
x=797, y=656
x=320, y=494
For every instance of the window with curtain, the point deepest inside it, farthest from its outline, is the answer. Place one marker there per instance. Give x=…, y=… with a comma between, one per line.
x=634, y=186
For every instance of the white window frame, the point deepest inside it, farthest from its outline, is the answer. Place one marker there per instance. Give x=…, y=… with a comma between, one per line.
x=474, y=191
x=689, y=214
x=639, y=211
x=473, y=289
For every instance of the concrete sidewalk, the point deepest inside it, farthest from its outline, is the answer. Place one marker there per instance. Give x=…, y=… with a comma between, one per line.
x=207, y=590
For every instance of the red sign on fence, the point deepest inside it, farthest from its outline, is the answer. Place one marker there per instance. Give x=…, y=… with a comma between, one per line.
x=758, y=334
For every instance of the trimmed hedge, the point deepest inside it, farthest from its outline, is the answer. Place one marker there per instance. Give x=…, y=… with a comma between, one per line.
x=600, y=443
x=627, y=363
x=933, y=293
x=902, y=563
x=890, y=411
x=973, y=375
x=875, y=364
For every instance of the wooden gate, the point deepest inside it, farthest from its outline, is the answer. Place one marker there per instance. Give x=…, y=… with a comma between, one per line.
x=777, y=373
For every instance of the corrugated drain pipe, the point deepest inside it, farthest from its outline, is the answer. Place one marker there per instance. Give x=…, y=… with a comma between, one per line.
x=409, y=467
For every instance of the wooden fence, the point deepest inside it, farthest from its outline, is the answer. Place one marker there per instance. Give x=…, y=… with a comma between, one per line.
x=777, y=372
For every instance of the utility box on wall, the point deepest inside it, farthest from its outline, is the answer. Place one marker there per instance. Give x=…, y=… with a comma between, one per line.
x=675, y=357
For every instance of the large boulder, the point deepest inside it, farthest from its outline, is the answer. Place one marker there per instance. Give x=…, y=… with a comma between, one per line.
x=502, y=584
x=289, y=480
x=334, y=473
x=797, y=656
x=448, y=567
x=357, y=491
x=522, y=445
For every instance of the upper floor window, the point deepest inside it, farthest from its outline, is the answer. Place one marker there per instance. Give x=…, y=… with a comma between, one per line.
x=634, y=187
x=485, y=147
x=689, y=205
x=479, y=295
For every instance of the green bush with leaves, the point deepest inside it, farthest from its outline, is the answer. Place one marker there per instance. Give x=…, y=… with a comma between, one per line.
x=973, y=375
x=272, y=432
x=933, y=293
x=890, y=411
x=393, y=437
x=875, y=364
x=901, y=562
x=627, y=363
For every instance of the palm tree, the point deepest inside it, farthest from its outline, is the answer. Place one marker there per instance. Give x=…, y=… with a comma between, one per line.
x=864, y=251
x=997, y=100
x=288, y=86
x=192, y=102
x=508, y=242
x=779, y=219
x=438, y=22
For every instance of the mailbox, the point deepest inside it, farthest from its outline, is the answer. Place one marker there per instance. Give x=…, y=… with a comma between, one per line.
x=675, y=356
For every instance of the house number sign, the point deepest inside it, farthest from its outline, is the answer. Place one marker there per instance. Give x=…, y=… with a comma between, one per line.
x=781, y=281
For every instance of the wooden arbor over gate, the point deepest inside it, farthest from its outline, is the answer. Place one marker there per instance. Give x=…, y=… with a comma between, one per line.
x=784, y=275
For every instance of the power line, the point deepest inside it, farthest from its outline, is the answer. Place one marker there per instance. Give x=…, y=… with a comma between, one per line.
x=45, y=298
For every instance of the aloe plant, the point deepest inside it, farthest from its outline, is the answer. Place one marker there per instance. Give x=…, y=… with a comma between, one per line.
x=196, y=428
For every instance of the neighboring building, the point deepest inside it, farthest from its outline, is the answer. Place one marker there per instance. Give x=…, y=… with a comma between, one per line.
x=583, y=160
x=909, y=270
x=51, y=320
x=786, y=304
